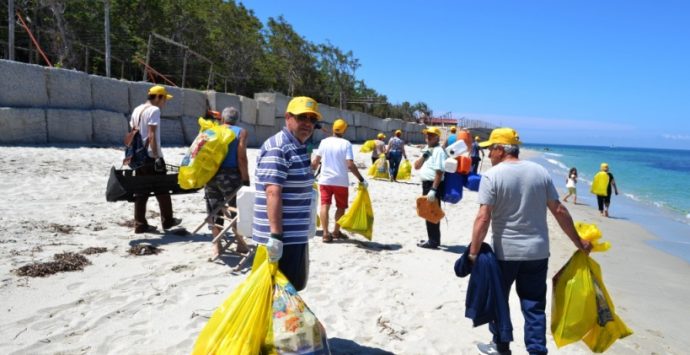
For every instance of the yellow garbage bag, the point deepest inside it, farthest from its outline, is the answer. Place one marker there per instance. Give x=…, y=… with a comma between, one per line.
x=379, y=170
x=600, y=184
x=204, y=157
x=360, y=216
x=239, y=326
x=592, y=234
x=368, y=146
x=404, y=171
x=581, y=308
x=205, y=124
x=318, y=218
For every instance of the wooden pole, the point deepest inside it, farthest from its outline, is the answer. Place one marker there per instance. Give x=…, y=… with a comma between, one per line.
x=10, y=30
x=184, y=66
x=106, y=9
x=148, y=56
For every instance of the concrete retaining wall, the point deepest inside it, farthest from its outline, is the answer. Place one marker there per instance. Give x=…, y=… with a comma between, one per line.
x=47, y=105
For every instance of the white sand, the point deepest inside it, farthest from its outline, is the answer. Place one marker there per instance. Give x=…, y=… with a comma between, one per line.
x=387, y=295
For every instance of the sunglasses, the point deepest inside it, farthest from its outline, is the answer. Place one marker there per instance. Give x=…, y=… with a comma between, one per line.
x=304, y=118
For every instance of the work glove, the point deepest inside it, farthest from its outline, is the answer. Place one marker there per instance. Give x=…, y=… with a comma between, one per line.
x=275, y=249
x=426, y=154
x=245, y=183
x=159, y=165
x=364, y=183
x=431, y=196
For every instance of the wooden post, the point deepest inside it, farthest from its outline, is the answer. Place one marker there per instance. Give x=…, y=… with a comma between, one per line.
x=106, y=8
x=86, y=60
x=10, y=29
x=148, y=56
x=184, y=66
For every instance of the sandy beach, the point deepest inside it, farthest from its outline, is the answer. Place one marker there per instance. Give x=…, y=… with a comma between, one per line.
x=384, y=296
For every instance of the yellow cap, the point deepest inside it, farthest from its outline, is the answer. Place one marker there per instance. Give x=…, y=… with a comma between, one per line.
x=381, y=136
x=453, y=129
x=159, y=90
x=339, y=126
x=303, y=104
x=502, y=135
x=432, y=130
x=398, y=132
x=603, y=166
x=476, y=138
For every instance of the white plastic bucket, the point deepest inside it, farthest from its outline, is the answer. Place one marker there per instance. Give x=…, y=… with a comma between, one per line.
x=450, y=165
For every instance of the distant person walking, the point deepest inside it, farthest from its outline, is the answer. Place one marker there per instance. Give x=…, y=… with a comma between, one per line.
x=431, y=168
x=601, y=186
x=571, y=185
x=147, y=118
x=336, y=159
x=476, y=151
x=379, y=147
x=452, y=137
x=514, y=196
x=395, y=152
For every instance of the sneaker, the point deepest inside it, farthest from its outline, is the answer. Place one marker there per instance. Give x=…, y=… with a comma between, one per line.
x=427, y=245
x=491, y=349
x=145, y=229
x=174, y=222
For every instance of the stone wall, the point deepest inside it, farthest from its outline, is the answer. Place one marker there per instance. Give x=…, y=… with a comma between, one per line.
x=40, y=105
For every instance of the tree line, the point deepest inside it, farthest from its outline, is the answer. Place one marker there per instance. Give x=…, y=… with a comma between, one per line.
x=247, y=55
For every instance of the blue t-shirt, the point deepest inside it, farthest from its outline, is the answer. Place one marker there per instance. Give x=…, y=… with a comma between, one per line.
x=283, y=161
x=451, y=139
x=231, y=158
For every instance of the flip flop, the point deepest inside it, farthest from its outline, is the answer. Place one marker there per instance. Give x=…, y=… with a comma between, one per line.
x=328, y=238
x=340, y=235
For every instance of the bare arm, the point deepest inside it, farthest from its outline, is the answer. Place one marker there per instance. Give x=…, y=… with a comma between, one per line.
x=480, y=228
x=315, y=162
x=404, y=153
x=242, y=156
x=353, y=169
x=437, y=179
x=613, y=184
x=153, y=143
x=274, y=208
x=566, y=222
x=419, y=162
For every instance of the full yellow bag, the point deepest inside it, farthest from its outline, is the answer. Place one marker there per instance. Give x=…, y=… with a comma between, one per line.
x=404, y=171
x=581, y=308
x=368, y=146
x=591, y=233
x=600, y=184
x=379, y=170
x=204, y=157
x=239, y=326
x=360, y=216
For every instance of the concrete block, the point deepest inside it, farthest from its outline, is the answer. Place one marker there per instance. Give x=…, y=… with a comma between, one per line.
x=279, y=123
x=23, y=85
x=266, y=116
x=248, y=110
x=171, y=132
x=69, y=126
x=263, y=133
x=22, y=125
x=362, y=134
x=328, y=114
x=109, y=94
x=278, y=100
x=351, y=134
x=252, y=139
x=190, y=128
x=193, y=103
x=394, y=124
x=218, y=100
x=138, y=91
x=68, y=89
x=109, y=127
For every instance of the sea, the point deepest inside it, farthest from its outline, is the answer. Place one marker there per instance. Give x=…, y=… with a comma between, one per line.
x=653, y=186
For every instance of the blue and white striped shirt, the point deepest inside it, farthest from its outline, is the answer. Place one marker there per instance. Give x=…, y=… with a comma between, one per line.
x=283, y=161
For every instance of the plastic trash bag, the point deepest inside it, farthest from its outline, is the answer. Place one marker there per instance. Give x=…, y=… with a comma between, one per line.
x=264, y=315
x=581, y=308
x=368, y=146
x=379, y=170
x=360, y=216
x=404, y=171
x=240, y=324
x=592, y=234
x=204, y=157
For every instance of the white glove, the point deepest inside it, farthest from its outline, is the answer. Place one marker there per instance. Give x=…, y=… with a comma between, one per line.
x=364, y=183
x=431, y=196
x=275, y=249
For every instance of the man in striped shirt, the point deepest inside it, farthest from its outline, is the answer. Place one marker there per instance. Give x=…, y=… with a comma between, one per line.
x=284, y=179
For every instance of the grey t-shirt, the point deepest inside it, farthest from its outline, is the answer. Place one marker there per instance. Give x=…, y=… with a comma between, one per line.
x=518, y=192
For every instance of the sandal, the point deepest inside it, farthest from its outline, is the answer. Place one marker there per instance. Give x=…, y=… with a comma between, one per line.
x=328, y=238
x=340, y=235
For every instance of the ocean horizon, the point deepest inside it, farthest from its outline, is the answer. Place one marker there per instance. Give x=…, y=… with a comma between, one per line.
x=649, y=181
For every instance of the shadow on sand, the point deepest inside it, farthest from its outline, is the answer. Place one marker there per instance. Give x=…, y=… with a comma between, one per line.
x=340, y=346
x=455, y=249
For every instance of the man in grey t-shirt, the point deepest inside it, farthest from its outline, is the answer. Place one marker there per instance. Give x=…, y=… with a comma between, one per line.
x=513, y=198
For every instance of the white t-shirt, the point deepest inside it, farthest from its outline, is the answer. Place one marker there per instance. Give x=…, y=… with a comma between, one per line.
x=436, y=162
x=334, y=153
x=150, y=116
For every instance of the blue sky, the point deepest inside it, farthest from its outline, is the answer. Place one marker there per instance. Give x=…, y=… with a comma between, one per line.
x=572, y=72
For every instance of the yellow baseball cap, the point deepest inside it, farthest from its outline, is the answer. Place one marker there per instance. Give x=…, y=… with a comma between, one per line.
x=453, y=129
x=432, y=130
x=398, y=132
x=476, y=138
x=503, y=135
x=604, y=166
x=303, y=104
x=339, y=126
x=159, y=90
x=380, y=136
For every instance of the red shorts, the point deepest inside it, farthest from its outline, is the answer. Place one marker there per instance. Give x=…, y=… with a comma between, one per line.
x=340, y=193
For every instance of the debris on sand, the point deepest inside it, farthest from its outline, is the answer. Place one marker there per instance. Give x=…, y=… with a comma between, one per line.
x=129, y=223
x=61, y=228
x=63, y=262
x=94, y=250
x=143, y=249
